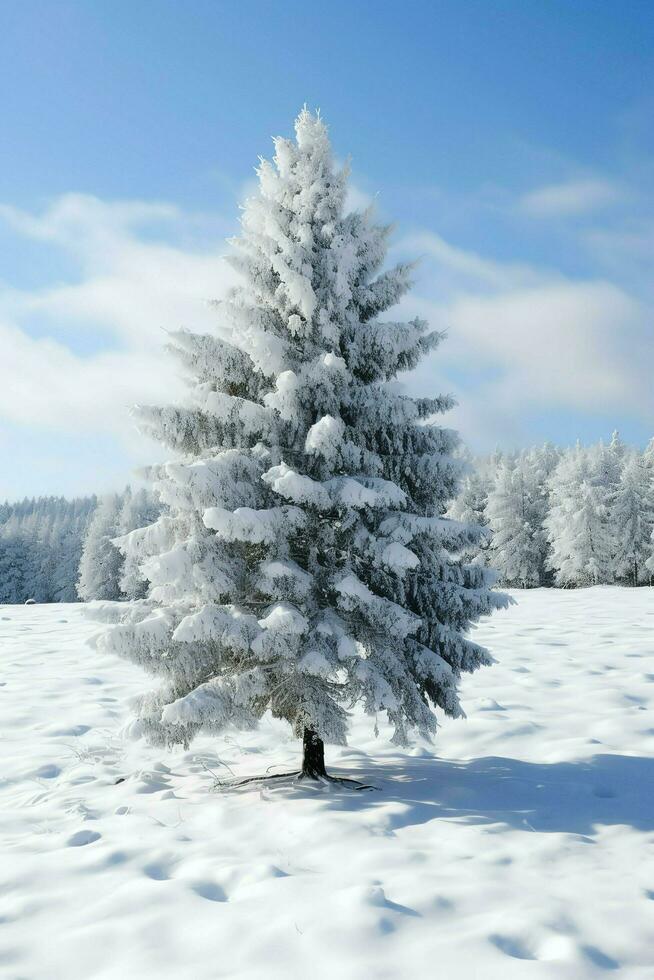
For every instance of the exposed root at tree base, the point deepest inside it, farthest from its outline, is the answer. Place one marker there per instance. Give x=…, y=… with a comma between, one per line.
x=297, y=776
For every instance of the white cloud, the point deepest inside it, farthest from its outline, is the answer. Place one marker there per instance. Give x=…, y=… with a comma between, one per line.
x=86, y=224
x=572, y=345
x=465, y=269
x=45, y=384
x=357, y=199
x=524, y=341
x=570, y=198
x=521, y=339
x=131, y=286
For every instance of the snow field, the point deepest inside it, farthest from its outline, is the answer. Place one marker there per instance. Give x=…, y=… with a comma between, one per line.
x=523, y=848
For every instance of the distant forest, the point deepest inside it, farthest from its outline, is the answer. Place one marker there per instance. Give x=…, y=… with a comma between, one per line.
x=41, y=543
x=566, y=518
x=58, y=550
x=553, y=517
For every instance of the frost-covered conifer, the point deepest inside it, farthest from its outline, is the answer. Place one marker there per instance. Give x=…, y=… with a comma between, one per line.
x=40, y=544
x=617, y=447
x=607, y=462
x=36, y=530
x=648, y=462
x=101, y=561
x=469, y=506
x=138, y=509
x=632, y=520
x=65, y=549
x=541, y=463
x=545, y=459
x=649, y=564
x=577, y=523
x=13, y=562
x=303, y=563
x=515, y=548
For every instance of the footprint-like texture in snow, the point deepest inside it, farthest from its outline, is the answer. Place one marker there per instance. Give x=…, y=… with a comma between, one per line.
x=502, y=851
x=209, y=890
x=48, y=771
x=82, y=838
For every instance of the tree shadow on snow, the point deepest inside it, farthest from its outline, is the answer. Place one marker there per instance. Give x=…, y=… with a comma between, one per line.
x=560, y=797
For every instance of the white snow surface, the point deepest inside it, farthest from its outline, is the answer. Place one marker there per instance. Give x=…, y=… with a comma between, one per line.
x=520, y=845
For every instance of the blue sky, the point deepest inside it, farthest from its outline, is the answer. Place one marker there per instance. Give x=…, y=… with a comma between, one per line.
x=511, y=142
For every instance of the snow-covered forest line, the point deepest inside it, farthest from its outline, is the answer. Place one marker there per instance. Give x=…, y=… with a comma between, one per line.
x=58, y=550
x=40, y=548
x=554, y=517
x=104, y=573
x=564, y=517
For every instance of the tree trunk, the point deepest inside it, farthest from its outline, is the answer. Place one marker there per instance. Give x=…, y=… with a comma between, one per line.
x=313, y=767
x=313, y=758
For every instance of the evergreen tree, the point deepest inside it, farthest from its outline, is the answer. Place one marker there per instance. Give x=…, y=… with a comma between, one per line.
x=41, y=541
x=648, y=463
x=608, y=467
x=101, y=561
x=541, y=463
x=632, y=518
x=469, y=507
x=303, y=563
x=617, y=448
x=36, y=528
x=577, y=523
x=12, y=562
x=515, y=549
x=649, y=564
x=546, y=459
x=66, y=544
x=139, y=509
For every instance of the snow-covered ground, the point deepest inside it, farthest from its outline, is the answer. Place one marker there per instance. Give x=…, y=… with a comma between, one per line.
x=523, y=848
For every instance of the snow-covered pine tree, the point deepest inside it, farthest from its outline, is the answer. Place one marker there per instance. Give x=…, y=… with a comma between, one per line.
x=632, y=521
x=469, y=505
x=617, y=447
x=139, y=509
x=101, y=562
x=36, y=535
x=648, y=463
x=68, y=543
x=13, y=562
x=546, y=459
x=649, y=564
x=303, y=564
x=577, y=523
x=541, y=461
x=515, y=548
x=41, y=543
